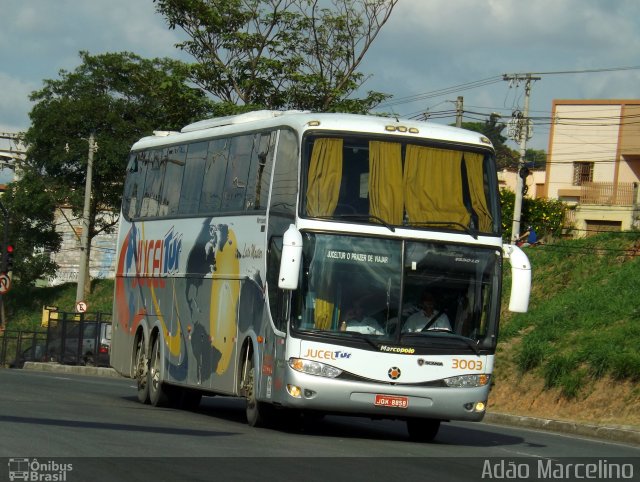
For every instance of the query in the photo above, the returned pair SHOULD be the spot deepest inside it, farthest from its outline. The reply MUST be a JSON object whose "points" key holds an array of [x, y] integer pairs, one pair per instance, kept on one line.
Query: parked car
{"points": [[89, 347], [37, 353]]}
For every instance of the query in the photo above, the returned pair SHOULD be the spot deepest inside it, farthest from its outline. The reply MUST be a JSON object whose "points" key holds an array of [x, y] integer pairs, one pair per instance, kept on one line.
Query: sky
{"points": [[429, 52]]}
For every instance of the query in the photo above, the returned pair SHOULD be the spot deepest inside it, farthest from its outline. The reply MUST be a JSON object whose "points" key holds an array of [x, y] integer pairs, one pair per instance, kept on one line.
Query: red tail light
{"points": [[104, 349]]}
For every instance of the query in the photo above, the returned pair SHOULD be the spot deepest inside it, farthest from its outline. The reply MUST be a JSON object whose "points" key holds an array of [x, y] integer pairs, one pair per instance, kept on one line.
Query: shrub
{"points": [[544, 215]]}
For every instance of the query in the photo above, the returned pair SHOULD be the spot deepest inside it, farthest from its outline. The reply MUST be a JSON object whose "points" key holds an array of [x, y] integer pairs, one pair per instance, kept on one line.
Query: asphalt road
{"points": [[97, 425]]}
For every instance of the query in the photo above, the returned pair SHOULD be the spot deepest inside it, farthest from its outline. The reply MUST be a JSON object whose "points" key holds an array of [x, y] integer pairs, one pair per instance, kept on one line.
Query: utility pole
{"points": [[5, 243], [459, 103], [521, 131], [83, 267]]}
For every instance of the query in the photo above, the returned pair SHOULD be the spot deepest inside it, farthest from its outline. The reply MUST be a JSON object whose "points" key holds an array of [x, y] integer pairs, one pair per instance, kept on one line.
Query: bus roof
{"points": [[305, 120]]}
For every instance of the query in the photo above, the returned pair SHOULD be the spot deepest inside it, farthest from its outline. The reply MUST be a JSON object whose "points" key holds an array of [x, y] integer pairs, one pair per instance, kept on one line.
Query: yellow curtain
{"points": [[325, 176], [433, 185], [323, 314], [475, 175], [385, 181]]}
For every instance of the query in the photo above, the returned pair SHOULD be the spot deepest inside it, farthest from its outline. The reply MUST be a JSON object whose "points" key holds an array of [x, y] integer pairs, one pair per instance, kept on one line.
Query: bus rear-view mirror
{"points": [[291, 259], [520, 278]]}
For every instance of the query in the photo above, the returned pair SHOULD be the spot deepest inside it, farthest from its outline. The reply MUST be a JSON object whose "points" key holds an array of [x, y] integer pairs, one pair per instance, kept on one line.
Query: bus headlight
{"points": [[468, 381], [314, 368]]}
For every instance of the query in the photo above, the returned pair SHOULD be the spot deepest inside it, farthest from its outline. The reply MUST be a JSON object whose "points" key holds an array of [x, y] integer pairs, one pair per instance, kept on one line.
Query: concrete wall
{"points": [[103, 251]]}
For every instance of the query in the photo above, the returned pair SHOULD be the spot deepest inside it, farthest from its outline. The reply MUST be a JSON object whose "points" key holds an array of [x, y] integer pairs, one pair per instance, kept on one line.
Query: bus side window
{"points": [[152, 185], [214, 173], [173, 179], [134, 185], [277, 306], [260, 172], [235, 183], [193, 178]]}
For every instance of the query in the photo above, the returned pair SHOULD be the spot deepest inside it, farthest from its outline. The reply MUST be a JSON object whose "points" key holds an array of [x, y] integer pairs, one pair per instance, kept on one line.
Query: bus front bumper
{"points": [[309, 392]]}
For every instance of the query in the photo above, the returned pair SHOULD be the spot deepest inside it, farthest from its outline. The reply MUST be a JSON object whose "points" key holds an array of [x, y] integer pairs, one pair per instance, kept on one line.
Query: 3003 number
{"points": [[462, 364]]}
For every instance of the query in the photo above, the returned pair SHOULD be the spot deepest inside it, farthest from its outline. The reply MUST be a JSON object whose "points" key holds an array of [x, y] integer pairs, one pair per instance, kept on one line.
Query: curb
{"points": [[77, 369], [628, 435], [624, 435]]}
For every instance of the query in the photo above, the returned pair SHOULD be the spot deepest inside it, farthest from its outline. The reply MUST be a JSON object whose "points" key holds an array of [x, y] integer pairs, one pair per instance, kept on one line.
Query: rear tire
{"points": [[141, 368], [422, 429], [158, 392], [89, 360]]}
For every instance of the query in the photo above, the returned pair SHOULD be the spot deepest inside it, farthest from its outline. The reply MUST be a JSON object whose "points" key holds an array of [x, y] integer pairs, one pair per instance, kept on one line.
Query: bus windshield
{"points": [[397, 182], [388, 290]]}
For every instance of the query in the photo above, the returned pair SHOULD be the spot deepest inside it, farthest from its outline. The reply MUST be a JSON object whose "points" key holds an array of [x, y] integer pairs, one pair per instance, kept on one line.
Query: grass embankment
{"points": [[575, 355], [24, 306]]}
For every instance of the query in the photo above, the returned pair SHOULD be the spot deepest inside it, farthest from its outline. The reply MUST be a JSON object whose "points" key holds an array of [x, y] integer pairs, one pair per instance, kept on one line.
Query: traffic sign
{"points": [[5, 283], [81, 306]]}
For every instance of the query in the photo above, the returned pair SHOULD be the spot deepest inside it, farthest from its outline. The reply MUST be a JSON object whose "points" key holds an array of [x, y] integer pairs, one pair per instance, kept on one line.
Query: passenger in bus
{"points": [[427, 317], [357, 321]]}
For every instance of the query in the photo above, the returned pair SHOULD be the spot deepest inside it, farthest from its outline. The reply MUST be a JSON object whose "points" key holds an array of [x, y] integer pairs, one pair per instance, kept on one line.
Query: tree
{"points": [[31, 229], [119, 97], [505, 156], [291, 54], [546, 216], [536, 158]]}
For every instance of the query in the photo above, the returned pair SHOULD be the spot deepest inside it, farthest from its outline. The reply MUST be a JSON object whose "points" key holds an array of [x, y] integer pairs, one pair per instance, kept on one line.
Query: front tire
{"points": [[422, 429], [257, 412]]}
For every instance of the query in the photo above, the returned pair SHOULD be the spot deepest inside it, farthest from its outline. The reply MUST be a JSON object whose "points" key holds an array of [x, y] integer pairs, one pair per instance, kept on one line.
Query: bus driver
{"points": [[427, 317]]}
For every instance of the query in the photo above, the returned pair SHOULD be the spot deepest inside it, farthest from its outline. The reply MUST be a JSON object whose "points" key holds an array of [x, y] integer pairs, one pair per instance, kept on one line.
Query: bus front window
{"points": [[350, 285], [452, 290], [391, 181], [437, 294]]}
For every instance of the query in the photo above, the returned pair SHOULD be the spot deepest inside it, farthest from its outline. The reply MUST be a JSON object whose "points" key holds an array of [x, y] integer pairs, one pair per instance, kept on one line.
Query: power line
{"points": [[444, 91], [584, 71]]}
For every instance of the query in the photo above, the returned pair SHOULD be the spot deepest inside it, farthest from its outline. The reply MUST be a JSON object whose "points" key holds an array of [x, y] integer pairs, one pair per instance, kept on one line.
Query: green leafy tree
{"points": [[119, 97], [505, 156], [544, 215], [295, 54], [31, 227], [536, 158]]}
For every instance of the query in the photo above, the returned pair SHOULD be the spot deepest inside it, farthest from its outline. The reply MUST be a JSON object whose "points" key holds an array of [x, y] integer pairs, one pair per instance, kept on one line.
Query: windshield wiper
{"points": [[340, 335], [471, 232], [360, 217], [362, 336], [466, 341], [470, 344]]}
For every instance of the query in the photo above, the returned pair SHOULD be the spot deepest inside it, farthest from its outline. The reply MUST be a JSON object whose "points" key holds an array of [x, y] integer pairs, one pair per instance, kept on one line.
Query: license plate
{"points": [[391, 401]]}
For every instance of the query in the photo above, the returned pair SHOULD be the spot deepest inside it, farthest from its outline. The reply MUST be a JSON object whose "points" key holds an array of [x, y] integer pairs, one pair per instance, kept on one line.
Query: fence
{"points": [[69, 338], [609, 193]]}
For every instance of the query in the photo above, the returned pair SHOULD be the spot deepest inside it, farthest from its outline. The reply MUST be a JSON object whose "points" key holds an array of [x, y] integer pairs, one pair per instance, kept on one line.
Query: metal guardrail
{"points": [[69, 338]]}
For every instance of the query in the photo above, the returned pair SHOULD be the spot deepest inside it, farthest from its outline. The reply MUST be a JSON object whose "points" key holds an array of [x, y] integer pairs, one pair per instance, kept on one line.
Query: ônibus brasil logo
{"points": [[34, 470]]}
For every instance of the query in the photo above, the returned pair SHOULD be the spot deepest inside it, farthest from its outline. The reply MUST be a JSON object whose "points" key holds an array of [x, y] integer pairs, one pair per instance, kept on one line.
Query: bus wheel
{"points": [[422, 429], [141, 369], [158, 394], [255, 410]]}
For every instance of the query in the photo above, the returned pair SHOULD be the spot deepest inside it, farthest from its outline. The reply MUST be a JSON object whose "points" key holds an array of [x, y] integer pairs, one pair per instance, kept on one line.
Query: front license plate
{"points": [[391, 401]]}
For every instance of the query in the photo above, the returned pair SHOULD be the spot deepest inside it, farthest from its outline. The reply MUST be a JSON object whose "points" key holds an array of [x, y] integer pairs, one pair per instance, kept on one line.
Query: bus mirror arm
{"points": [[520, 278], [291, 259]]}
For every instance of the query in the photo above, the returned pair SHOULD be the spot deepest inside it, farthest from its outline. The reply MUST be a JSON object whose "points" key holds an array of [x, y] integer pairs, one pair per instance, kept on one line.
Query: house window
{"points": [[582, 172]]}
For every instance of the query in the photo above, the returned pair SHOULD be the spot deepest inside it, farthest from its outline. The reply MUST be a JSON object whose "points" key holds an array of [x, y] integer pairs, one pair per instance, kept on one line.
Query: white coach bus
{"points": [[321, 263]]}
